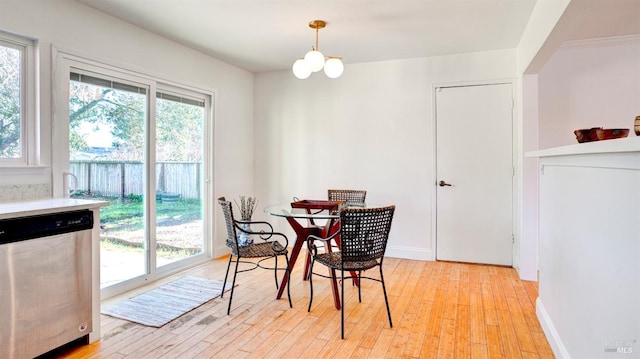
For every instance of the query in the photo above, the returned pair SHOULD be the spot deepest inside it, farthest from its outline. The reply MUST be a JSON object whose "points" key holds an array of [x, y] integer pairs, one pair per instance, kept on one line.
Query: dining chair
{"points": [[268, 244], [350, 196], [363, 240]]}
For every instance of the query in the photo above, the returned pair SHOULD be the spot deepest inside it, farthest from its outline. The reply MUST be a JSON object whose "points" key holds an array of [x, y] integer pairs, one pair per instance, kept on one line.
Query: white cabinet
{"points": [[589, 245]]}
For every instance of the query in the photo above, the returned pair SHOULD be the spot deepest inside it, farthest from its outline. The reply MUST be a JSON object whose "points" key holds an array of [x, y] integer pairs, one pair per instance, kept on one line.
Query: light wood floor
{"points": [[439, 310]]}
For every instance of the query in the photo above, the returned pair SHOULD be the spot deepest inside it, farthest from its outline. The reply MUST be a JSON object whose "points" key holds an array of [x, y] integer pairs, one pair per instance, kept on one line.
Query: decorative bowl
{"points": [[611, 133], [599, 133], [587, 134]]}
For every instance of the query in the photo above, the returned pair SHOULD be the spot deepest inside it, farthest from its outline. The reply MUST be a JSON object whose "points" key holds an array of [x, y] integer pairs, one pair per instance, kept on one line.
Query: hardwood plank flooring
{"points": [[439, 310]]}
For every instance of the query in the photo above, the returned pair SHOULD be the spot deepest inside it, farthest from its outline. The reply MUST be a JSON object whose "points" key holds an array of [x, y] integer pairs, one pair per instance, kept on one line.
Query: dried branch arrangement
{"points": [[247, 206]]}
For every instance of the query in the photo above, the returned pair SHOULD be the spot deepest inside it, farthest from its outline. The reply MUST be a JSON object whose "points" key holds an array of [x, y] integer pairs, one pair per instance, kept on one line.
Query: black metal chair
{"points": [[265, 247], [350, 196], [363, 240]]}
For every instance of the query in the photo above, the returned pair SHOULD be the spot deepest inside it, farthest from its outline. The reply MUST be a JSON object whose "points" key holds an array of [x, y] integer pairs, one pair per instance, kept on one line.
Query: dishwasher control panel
{"points": [[24, 228]]}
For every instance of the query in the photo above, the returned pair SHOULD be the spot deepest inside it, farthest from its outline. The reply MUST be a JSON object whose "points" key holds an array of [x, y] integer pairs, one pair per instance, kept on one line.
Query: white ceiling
{"points": [[266, 35]]}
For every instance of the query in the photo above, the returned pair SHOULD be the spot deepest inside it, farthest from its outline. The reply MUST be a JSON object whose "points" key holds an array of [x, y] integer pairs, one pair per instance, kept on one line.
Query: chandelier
{"points": [[315, 61]]}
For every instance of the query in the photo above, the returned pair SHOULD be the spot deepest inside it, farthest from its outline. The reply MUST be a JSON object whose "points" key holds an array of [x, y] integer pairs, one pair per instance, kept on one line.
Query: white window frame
{"points": [[29, 117]]}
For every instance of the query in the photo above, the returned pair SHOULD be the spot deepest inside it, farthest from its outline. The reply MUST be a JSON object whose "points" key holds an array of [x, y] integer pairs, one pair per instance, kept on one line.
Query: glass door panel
{"points": [[106, 152], [179, 177]]}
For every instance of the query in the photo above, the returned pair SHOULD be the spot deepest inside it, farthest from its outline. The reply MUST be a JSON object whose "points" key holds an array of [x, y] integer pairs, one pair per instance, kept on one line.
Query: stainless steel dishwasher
{"points": [[45, 282]]}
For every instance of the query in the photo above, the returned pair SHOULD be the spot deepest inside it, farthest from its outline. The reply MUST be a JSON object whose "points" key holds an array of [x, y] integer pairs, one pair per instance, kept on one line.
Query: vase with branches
{"points": [[247, 206]]}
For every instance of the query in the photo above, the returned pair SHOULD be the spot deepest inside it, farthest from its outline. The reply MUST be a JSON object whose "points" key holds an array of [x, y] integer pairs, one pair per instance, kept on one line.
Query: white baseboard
{"points": [[220, 251], [415, 253], [550, 332], [529, 275]]}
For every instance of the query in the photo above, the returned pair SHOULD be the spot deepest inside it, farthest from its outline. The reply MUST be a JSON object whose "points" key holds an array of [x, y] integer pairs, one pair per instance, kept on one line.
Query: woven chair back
{"points": [[232, 238], [364, 233], [347, 195]]}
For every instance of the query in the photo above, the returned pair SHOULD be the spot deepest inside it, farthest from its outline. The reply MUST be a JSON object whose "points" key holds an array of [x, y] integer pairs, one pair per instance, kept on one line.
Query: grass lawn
{"points": [[128, 212], [178, 225]]}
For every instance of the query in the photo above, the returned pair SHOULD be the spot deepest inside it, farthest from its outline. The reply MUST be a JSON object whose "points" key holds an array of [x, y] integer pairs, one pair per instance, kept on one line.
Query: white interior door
{"points": [[474, 171]]}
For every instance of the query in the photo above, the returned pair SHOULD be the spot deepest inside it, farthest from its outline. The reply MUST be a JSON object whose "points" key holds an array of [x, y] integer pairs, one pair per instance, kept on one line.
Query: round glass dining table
{"points": [[326, 211], [285, 210]]}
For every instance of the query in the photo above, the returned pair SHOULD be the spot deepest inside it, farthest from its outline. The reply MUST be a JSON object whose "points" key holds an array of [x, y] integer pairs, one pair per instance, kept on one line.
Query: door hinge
{"points": [[513, 238]]}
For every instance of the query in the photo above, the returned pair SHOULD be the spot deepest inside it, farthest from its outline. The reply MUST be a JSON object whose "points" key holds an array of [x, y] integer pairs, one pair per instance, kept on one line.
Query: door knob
{"points": [[443, 183]]}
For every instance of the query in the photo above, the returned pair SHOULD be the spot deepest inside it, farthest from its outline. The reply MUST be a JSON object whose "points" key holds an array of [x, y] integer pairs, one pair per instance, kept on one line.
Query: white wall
{"points": [[72, 26], [545, 31], [588, 84], [527, 245], [372, 129]]}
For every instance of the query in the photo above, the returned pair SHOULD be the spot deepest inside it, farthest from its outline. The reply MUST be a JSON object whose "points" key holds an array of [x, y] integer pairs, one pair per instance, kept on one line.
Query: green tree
{"points": [[179, 127], [9, 102], [122, 111], [179, 131]]}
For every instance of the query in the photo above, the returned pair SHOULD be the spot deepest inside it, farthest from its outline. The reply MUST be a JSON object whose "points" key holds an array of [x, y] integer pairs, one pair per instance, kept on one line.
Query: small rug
{"points": [[159, 306]]}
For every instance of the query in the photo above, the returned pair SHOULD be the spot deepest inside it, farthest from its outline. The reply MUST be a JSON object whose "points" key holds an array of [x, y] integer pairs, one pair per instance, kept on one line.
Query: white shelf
{"points": [[629, 144]]}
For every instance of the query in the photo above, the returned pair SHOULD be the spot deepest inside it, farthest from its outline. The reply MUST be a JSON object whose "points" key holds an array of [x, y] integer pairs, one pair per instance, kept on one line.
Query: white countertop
{"points": [[629, 144], [49, 205]]}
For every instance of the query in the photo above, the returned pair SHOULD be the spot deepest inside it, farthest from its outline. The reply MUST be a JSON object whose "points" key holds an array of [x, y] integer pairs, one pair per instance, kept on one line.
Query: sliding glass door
{"points": [[140, 146]]}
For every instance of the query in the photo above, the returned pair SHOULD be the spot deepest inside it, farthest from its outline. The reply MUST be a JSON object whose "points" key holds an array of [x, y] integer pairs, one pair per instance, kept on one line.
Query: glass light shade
{"points": [[333, 68], [314, 60], [300, 69]]}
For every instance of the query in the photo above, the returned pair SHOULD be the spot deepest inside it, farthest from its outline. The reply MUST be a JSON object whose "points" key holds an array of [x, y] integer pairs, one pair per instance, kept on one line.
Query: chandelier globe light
{"points": [[315, 61], [333, 67], [301, 70]]}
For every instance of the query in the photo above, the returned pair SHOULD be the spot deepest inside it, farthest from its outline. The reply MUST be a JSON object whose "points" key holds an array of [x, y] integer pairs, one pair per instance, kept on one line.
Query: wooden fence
{"points": [[125, 178]]}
